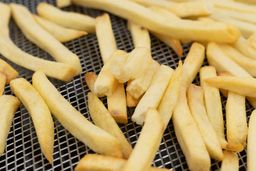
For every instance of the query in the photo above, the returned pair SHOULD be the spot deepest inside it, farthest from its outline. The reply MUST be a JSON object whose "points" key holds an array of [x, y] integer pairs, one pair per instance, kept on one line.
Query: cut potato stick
{"points": [[2, 83], [241, 85], [131, 102], [230, 162], [213, 103], [60, 33], [5, 14], [195, 30], [154, 94], [251, 149], [196, 104], [189, 137], [182, 9], [66, 19], [171, 95], [36, 34], [245, 47], [151, 135], [252, 40], [103, 119], [90, 78], [136, 88], [95, 162], [94, 137], [63, 3], [8, 105], [247, 1], [39, 113], [235, 6], [8, 70]]}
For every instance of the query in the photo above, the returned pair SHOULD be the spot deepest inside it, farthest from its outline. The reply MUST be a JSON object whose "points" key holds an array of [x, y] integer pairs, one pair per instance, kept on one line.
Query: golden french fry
{"points": [[63, 3], [198, 111], [252, 40], [94, 137], [9, 105], [164, 13], [60, 33], [95, 162], [151, 135], [131, 102], [182, 9], [90, 78], [103, 119], [251, 150], [247, 1], [136, 88], [245, 47], [39, 113], [10, 51], [36, 34], [171, 95], [105, 36], [2, 83], [153, 95], [66, 19], [213, 103], [195, 30], [230, 162], [234, 6]]}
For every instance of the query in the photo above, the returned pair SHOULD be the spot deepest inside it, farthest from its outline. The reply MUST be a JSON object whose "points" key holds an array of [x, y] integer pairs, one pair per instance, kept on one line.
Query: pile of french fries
{"points": [[223, 32]]}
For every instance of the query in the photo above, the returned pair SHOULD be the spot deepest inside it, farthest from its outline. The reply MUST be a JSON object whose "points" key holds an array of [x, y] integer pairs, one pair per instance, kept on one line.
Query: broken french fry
{"points": [[251, 149], [151, 135], [94, 137], [2, 83], [66, 19], [9, 105], [90, 78], [245, 47], [8, 70], [230, 162], [131, 102], [39, 113], [63, 3], [153, 95]]}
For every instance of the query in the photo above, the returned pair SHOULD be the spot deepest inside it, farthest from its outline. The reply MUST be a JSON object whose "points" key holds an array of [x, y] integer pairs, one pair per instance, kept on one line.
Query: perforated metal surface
{"points": [[23, 151]]}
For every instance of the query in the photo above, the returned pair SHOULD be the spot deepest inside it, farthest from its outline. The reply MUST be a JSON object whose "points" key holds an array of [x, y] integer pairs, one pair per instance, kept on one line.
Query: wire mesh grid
{"points": [[23, 150]]}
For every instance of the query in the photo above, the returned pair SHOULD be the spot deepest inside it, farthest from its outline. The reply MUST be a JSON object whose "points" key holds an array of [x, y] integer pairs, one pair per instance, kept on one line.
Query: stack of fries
{"points": [[222, 31]]}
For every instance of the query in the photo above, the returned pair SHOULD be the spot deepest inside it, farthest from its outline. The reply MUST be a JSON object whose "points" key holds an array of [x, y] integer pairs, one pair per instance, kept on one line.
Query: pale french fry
{"points": [[90, 78], [36, 34], [94, 137], [132, 102], [245, 47], [252, 40], [60, 33], [66, 19], [189, 137], [151, 135], [247, 1], [63, 3], [251, 149], [103, 119], [198, 111], [195, 30], [9, 105], [164, 13], [245, 86], [10, 51], [105, 36], [235, 6], [154, 94], [2, 83], [182, 9], [136, 88], [95, 162], [140, 35], [39, 113], [230, 162], [213, 103], [171, 95]]}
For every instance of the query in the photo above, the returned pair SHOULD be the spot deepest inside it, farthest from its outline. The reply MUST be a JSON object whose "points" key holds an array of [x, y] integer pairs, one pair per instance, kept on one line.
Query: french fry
{"points": [[66, 19], [9, 105], [63, 3], [36, 34], [213, 103], [94, 137], [10, 51], [95, 162], [103, 119], [197, 107], [230, 162], [2, 83], [90, 78], [171, 95], [39, 113], [251, 150], [60, 33], [136, 88], [131, 102], [151, 135], [153, 95], [164, 13], [245, 47], [235, 6], [182, 9], [252, 40], [138, 14], [241, 85]]}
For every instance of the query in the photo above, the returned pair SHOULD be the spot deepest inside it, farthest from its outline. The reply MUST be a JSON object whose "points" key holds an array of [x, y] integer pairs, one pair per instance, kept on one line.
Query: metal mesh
{"points": [[23, 150]]}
